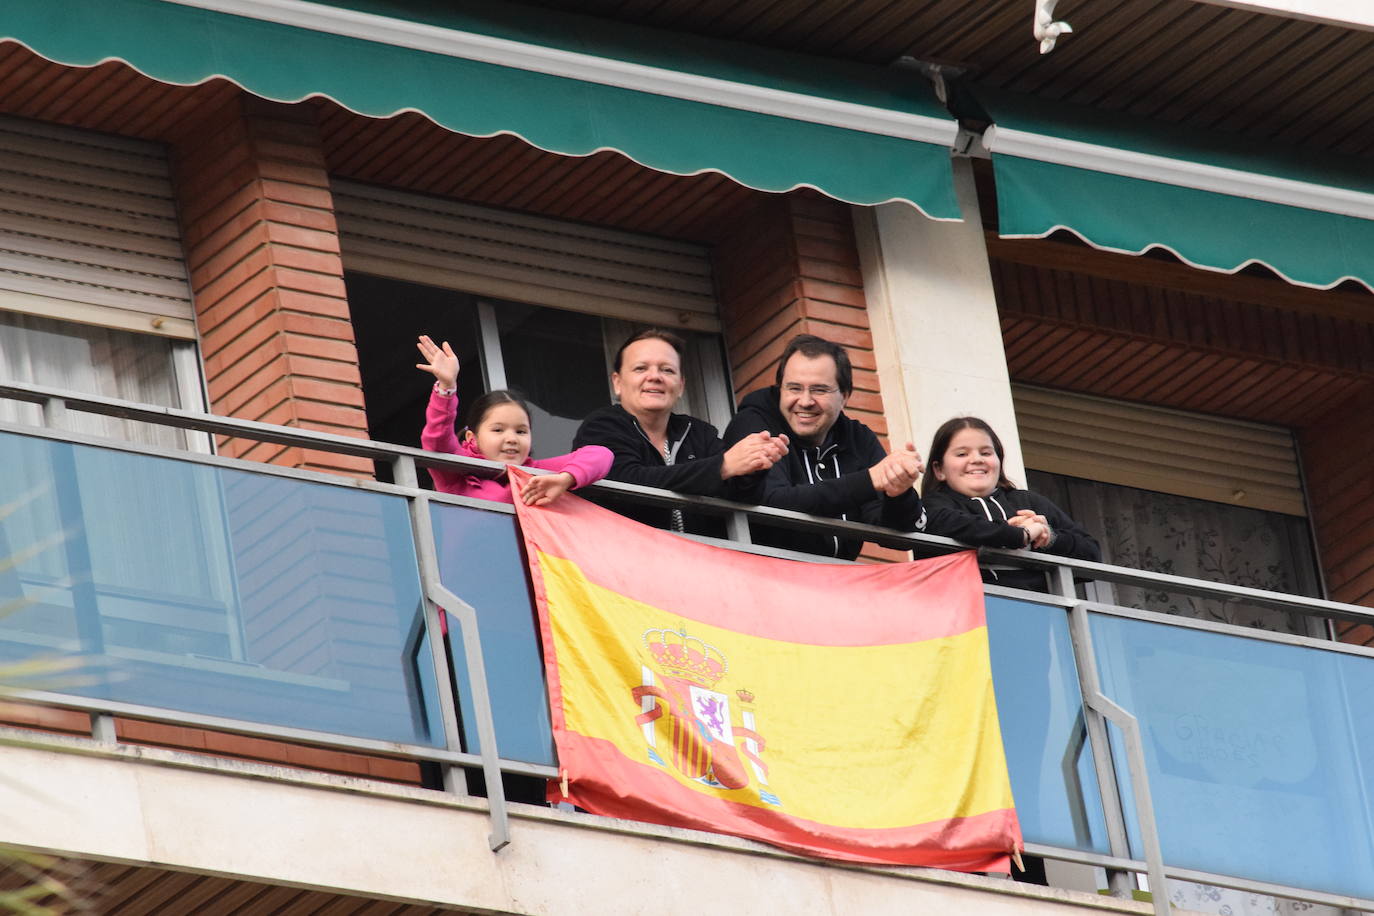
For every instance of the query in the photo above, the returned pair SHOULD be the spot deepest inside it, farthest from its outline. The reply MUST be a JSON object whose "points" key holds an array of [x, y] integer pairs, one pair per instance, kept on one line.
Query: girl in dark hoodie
{"points": [[969, 499]]}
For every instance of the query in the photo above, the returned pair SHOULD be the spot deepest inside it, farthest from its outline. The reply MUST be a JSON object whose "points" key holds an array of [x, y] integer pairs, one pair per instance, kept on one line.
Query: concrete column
{"points": [[933, 315]]}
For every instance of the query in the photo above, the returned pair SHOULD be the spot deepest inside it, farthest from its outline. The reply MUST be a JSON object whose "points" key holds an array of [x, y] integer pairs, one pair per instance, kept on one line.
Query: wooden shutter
{"points": [[524, 258], [88, 230], [1154, 448]]}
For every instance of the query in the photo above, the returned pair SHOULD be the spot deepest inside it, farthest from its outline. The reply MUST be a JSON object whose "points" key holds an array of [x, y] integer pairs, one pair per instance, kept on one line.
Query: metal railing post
{"points": [[103, 728], [1118, 842], [737, 528], [54, 413], [403, 471], [1098, 710], [439, 599]]}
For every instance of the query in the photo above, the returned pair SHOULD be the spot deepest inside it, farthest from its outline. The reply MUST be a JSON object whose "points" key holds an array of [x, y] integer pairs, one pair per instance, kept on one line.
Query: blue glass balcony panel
{"points": [[480, 561], [1040, 708], [1260, 754], [213, 591]]}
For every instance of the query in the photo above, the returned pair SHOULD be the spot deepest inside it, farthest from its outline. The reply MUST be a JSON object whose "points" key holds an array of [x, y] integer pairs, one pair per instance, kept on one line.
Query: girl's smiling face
{"points": [[503, 434], [970, 466]]}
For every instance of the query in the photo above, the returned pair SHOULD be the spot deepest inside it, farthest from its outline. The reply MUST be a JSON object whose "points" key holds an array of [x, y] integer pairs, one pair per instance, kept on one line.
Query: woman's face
{"points": [[970, 465], [503, 434], [649, 380]]}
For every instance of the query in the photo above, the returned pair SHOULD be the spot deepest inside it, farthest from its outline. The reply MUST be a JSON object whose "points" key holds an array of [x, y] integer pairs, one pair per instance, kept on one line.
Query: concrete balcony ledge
{"points": [[349, 837]]}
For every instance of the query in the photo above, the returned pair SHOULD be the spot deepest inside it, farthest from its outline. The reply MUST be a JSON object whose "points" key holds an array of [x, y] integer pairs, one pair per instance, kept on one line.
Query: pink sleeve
{"points": [[440, 436], [587, 464]]}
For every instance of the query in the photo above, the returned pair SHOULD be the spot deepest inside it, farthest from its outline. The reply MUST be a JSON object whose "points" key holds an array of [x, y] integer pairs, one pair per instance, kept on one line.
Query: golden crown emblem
{"points": [[686, 657]]}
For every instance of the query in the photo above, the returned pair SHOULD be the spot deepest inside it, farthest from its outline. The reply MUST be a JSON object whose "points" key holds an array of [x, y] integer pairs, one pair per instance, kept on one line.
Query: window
{"points": [[94, 295], [100, 361], [526, 301], [1176, 492], [560, 359]]}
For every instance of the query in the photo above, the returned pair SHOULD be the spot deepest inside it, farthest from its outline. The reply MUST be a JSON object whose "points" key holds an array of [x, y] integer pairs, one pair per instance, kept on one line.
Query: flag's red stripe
{"points": [[980, 842], [788, 601]]}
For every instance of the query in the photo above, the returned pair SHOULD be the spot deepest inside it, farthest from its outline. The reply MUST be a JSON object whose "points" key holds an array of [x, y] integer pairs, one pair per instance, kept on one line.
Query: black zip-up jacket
{"points": [[982, 522], [695, 470], [830, 479]]}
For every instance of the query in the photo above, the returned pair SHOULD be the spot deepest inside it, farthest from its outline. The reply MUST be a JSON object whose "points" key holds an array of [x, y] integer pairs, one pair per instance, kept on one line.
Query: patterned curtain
{"points": [[1195, 538]]}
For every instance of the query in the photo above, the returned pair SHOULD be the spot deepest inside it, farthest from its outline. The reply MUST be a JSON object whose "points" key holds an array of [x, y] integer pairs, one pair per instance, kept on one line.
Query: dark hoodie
{"points": [[695, 469], [981, 521], [830, 480]]}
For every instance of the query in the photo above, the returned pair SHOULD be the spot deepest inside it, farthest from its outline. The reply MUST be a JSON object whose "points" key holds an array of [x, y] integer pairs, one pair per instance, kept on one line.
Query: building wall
{"points": [[791, 267], [262, 248], [1335, 453], [359, 841]]}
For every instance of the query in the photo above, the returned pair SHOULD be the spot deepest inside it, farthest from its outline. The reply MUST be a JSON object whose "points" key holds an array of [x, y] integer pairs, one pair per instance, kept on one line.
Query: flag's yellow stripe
{"points": [[866, 737]]}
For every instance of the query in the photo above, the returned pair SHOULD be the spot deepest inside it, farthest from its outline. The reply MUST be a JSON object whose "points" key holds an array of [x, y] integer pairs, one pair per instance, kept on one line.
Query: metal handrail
{"points": [[925, 544]]}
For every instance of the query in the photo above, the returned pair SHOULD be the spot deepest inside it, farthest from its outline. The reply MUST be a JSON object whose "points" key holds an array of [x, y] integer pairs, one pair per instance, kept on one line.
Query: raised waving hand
{"points": [[440, 361]]}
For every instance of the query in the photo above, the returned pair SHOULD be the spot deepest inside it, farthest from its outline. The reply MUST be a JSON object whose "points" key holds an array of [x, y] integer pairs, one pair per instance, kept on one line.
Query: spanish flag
{"points": [[837, 711]]}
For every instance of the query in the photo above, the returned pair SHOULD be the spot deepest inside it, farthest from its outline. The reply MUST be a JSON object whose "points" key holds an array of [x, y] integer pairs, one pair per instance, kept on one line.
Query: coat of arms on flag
{"points": [[836, 711], [680, 702]]}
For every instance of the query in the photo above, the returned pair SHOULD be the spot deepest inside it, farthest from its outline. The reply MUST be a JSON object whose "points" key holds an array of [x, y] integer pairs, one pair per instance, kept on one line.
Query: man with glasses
{"points": [[836, 467]]}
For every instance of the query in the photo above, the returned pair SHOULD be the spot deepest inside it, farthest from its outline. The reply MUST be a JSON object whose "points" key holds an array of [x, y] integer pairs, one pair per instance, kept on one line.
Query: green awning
{"points": [[568, 84], [1126, 186]]}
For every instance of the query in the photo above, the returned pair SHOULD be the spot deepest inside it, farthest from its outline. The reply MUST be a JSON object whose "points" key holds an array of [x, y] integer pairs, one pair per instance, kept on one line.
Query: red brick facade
{"points": [[1335, 452], [262, 249], [792, 267]]}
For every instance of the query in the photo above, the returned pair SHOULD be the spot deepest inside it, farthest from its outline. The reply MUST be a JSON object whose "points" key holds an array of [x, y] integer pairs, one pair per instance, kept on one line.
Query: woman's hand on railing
{"points": [[440, 362]]}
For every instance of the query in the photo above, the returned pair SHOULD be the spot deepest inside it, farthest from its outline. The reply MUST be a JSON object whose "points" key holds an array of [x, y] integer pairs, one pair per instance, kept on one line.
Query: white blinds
{"points": [[525, 258], [1154, 448], [88, 230]]}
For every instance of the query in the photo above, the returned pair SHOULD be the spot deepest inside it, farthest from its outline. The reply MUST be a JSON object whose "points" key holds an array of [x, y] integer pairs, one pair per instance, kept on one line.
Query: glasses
{"points": [[816, 391]]}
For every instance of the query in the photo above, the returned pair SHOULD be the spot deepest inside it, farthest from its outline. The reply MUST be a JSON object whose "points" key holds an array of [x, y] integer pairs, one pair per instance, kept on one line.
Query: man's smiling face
{"points": [[809, 396]]}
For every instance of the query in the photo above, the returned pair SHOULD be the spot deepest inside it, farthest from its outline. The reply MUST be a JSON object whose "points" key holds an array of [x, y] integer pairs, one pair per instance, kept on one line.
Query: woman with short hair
{"points": [[655, 447]]}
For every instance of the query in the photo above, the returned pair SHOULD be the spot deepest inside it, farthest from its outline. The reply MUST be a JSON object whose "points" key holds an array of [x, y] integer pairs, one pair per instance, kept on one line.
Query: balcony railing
{"points": [[224, 594]]}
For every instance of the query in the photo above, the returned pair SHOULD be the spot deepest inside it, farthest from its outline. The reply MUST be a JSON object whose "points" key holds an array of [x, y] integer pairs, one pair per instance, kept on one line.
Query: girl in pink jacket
{"points": [[499, 430]]}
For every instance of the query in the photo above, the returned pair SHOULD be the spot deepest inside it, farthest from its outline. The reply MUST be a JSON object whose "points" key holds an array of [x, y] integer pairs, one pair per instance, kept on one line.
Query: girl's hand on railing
{"points": [[543, 490], [439, 361], [1036, 526]]}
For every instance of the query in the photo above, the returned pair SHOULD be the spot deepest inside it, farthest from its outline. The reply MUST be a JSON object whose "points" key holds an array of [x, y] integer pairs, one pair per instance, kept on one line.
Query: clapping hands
{"points": [[898, 472], [755, 452]]}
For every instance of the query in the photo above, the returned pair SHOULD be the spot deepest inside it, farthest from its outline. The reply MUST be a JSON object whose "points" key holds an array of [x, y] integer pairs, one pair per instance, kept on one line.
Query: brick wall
{"points": [[1340, 489], [262, 249], [264, 750], [791, 267]]}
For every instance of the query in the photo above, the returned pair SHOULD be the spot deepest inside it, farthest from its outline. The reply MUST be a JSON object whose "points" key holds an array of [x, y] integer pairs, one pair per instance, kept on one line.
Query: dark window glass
{"points": [[558, 360], [388, 317]]}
